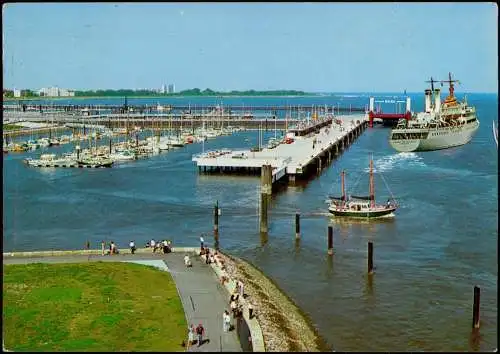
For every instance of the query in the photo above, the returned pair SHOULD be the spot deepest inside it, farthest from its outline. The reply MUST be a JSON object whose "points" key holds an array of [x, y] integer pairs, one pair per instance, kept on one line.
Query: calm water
{"points": [[442, 242]]}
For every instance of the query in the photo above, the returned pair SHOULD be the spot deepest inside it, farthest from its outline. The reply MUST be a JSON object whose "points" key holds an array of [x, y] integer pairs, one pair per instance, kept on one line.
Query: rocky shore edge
{"points": [[285, 327]]}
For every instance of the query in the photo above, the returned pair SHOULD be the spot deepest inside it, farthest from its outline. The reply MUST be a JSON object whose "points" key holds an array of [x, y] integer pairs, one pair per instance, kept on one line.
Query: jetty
{"points": [[306, 146]]}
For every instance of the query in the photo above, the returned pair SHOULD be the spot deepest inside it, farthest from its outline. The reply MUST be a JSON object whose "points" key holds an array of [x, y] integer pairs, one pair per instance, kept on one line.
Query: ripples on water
{"points": [[442, 241]]}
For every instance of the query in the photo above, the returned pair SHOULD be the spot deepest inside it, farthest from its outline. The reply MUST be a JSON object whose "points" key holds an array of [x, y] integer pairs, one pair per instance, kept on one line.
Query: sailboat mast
{"points": [[343, 187], [372, 188]]}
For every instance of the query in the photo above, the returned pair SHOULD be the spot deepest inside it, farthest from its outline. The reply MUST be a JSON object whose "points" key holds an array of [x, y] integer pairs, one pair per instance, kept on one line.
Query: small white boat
{"points": [[43, 142], [124, 155]]}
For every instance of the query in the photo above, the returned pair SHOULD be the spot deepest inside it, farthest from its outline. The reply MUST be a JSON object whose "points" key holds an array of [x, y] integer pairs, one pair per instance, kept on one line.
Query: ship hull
{"points": [[363, 214], [437, 139]]}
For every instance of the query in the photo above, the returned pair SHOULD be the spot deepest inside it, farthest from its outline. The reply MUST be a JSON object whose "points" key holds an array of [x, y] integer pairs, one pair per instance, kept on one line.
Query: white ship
{"points": [[440, 126]]}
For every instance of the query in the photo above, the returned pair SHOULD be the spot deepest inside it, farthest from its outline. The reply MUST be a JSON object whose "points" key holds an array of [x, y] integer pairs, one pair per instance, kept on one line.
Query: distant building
{"points": [[171, 88], [56, 92], [17, 93], [163, 88]]}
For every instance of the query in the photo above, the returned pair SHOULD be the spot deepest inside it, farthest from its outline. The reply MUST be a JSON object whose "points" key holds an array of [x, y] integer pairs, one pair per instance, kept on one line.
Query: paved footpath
{"points": [[203, 298]]}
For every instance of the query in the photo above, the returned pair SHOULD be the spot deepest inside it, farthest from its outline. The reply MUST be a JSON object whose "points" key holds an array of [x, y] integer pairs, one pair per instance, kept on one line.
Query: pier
{"points": [[310, 147]]}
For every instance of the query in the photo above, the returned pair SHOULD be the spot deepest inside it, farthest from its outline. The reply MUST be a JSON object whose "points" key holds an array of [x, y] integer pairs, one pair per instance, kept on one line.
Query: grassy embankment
{"points": [[91, 307], [12, 127]]}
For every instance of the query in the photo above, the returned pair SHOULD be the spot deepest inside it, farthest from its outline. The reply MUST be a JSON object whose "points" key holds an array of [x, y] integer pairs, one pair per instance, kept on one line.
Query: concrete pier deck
{"points": [[289, 159]]}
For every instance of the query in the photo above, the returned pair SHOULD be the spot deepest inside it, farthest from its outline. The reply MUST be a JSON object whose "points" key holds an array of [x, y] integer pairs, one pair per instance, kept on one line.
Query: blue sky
{"points": [[315, 47]]}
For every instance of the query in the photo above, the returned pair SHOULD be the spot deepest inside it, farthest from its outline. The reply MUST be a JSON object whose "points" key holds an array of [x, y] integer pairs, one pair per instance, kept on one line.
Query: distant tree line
{"points": [[190, 92], [24, 93]]}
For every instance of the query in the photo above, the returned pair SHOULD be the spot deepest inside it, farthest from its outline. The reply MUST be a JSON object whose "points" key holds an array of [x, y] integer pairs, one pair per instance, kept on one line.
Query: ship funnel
{"points": [[408, 104], [372, 104], [428, 94], [437, 102]]}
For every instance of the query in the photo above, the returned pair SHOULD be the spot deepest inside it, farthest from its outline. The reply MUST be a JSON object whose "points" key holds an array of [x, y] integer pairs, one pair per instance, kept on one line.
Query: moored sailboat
{"points": [[361, 206]]}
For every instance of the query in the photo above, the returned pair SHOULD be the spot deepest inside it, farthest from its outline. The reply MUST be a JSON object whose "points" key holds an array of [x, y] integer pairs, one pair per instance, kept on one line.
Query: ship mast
{"points": [[343, 187], [451, 83], [372, 188]]}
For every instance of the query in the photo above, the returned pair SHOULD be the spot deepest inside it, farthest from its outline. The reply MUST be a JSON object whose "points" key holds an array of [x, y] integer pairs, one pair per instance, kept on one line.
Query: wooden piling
{"points": [[475, 308], [370, 257], [216, 216], [297, 225], [263, 213], [330, 240], [266, 179], [265, 193]]}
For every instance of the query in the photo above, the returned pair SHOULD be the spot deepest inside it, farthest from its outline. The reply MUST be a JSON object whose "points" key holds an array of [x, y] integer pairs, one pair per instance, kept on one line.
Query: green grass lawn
{"points": [[91, 307], [12, 127]]}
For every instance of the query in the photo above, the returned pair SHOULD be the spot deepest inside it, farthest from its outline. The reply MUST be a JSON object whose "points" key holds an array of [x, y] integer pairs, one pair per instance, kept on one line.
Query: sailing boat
{"points": [[361, 206], [495, 133]]}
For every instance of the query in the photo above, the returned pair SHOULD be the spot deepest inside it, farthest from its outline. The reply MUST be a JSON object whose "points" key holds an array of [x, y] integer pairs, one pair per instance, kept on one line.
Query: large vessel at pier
{"points": [[361, 206], [440, 126]]}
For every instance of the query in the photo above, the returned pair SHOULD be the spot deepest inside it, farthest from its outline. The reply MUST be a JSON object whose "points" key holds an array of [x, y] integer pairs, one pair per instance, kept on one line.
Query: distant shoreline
{"points": [[153, 97], [16, 99]]}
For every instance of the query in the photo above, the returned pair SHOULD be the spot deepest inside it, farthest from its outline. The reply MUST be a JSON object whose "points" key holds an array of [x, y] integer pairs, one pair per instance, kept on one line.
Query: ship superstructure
{"points": [[441, 125]]}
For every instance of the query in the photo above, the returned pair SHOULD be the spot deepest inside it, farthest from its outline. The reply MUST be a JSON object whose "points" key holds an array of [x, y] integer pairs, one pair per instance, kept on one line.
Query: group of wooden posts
{"points": [[266, 189]]}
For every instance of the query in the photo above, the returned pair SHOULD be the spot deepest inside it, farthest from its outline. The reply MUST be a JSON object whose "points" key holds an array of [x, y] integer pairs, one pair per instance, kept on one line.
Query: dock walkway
{"points": [[288, 159], [202, 296]]}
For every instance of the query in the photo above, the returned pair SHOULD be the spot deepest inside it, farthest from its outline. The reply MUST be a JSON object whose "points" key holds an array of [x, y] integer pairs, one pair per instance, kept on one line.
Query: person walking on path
{"points": [[190, 336], [132, 247], [200, 331], [207, 253], [226, 321], [103, 246]]}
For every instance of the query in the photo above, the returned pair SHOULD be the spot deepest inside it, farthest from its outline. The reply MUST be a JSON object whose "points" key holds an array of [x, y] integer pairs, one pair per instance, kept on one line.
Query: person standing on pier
{"points": [[103, 246], [132, 247], [200, 331], [226, 321], [202, 241], [153, 245]]}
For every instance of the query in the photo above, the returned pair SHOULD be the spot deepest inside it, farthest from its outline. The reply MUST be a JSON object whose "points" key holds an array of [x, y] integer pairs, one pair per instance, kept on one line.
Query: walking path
{"points": [[203, 298]]}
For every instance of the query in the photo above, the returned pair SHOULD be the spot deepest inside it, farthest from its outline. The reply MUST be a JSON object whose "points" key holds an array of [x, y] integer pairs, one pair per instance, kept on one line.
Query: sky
{"points": [[313, 47]]}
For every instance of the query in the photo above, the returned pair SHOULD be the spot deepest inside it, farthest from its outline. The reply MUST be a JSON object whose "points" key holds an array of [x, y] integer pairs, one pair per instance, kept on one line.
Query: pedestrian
{"points": [[234, 307], [234, 296], [202, 241], [103, 246], [132, 247], [226, 321], [250, 310], [190, 336], [87, 245], [113, 249], [187, 261], [207, 260], [153, 245], [199, 332]]}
